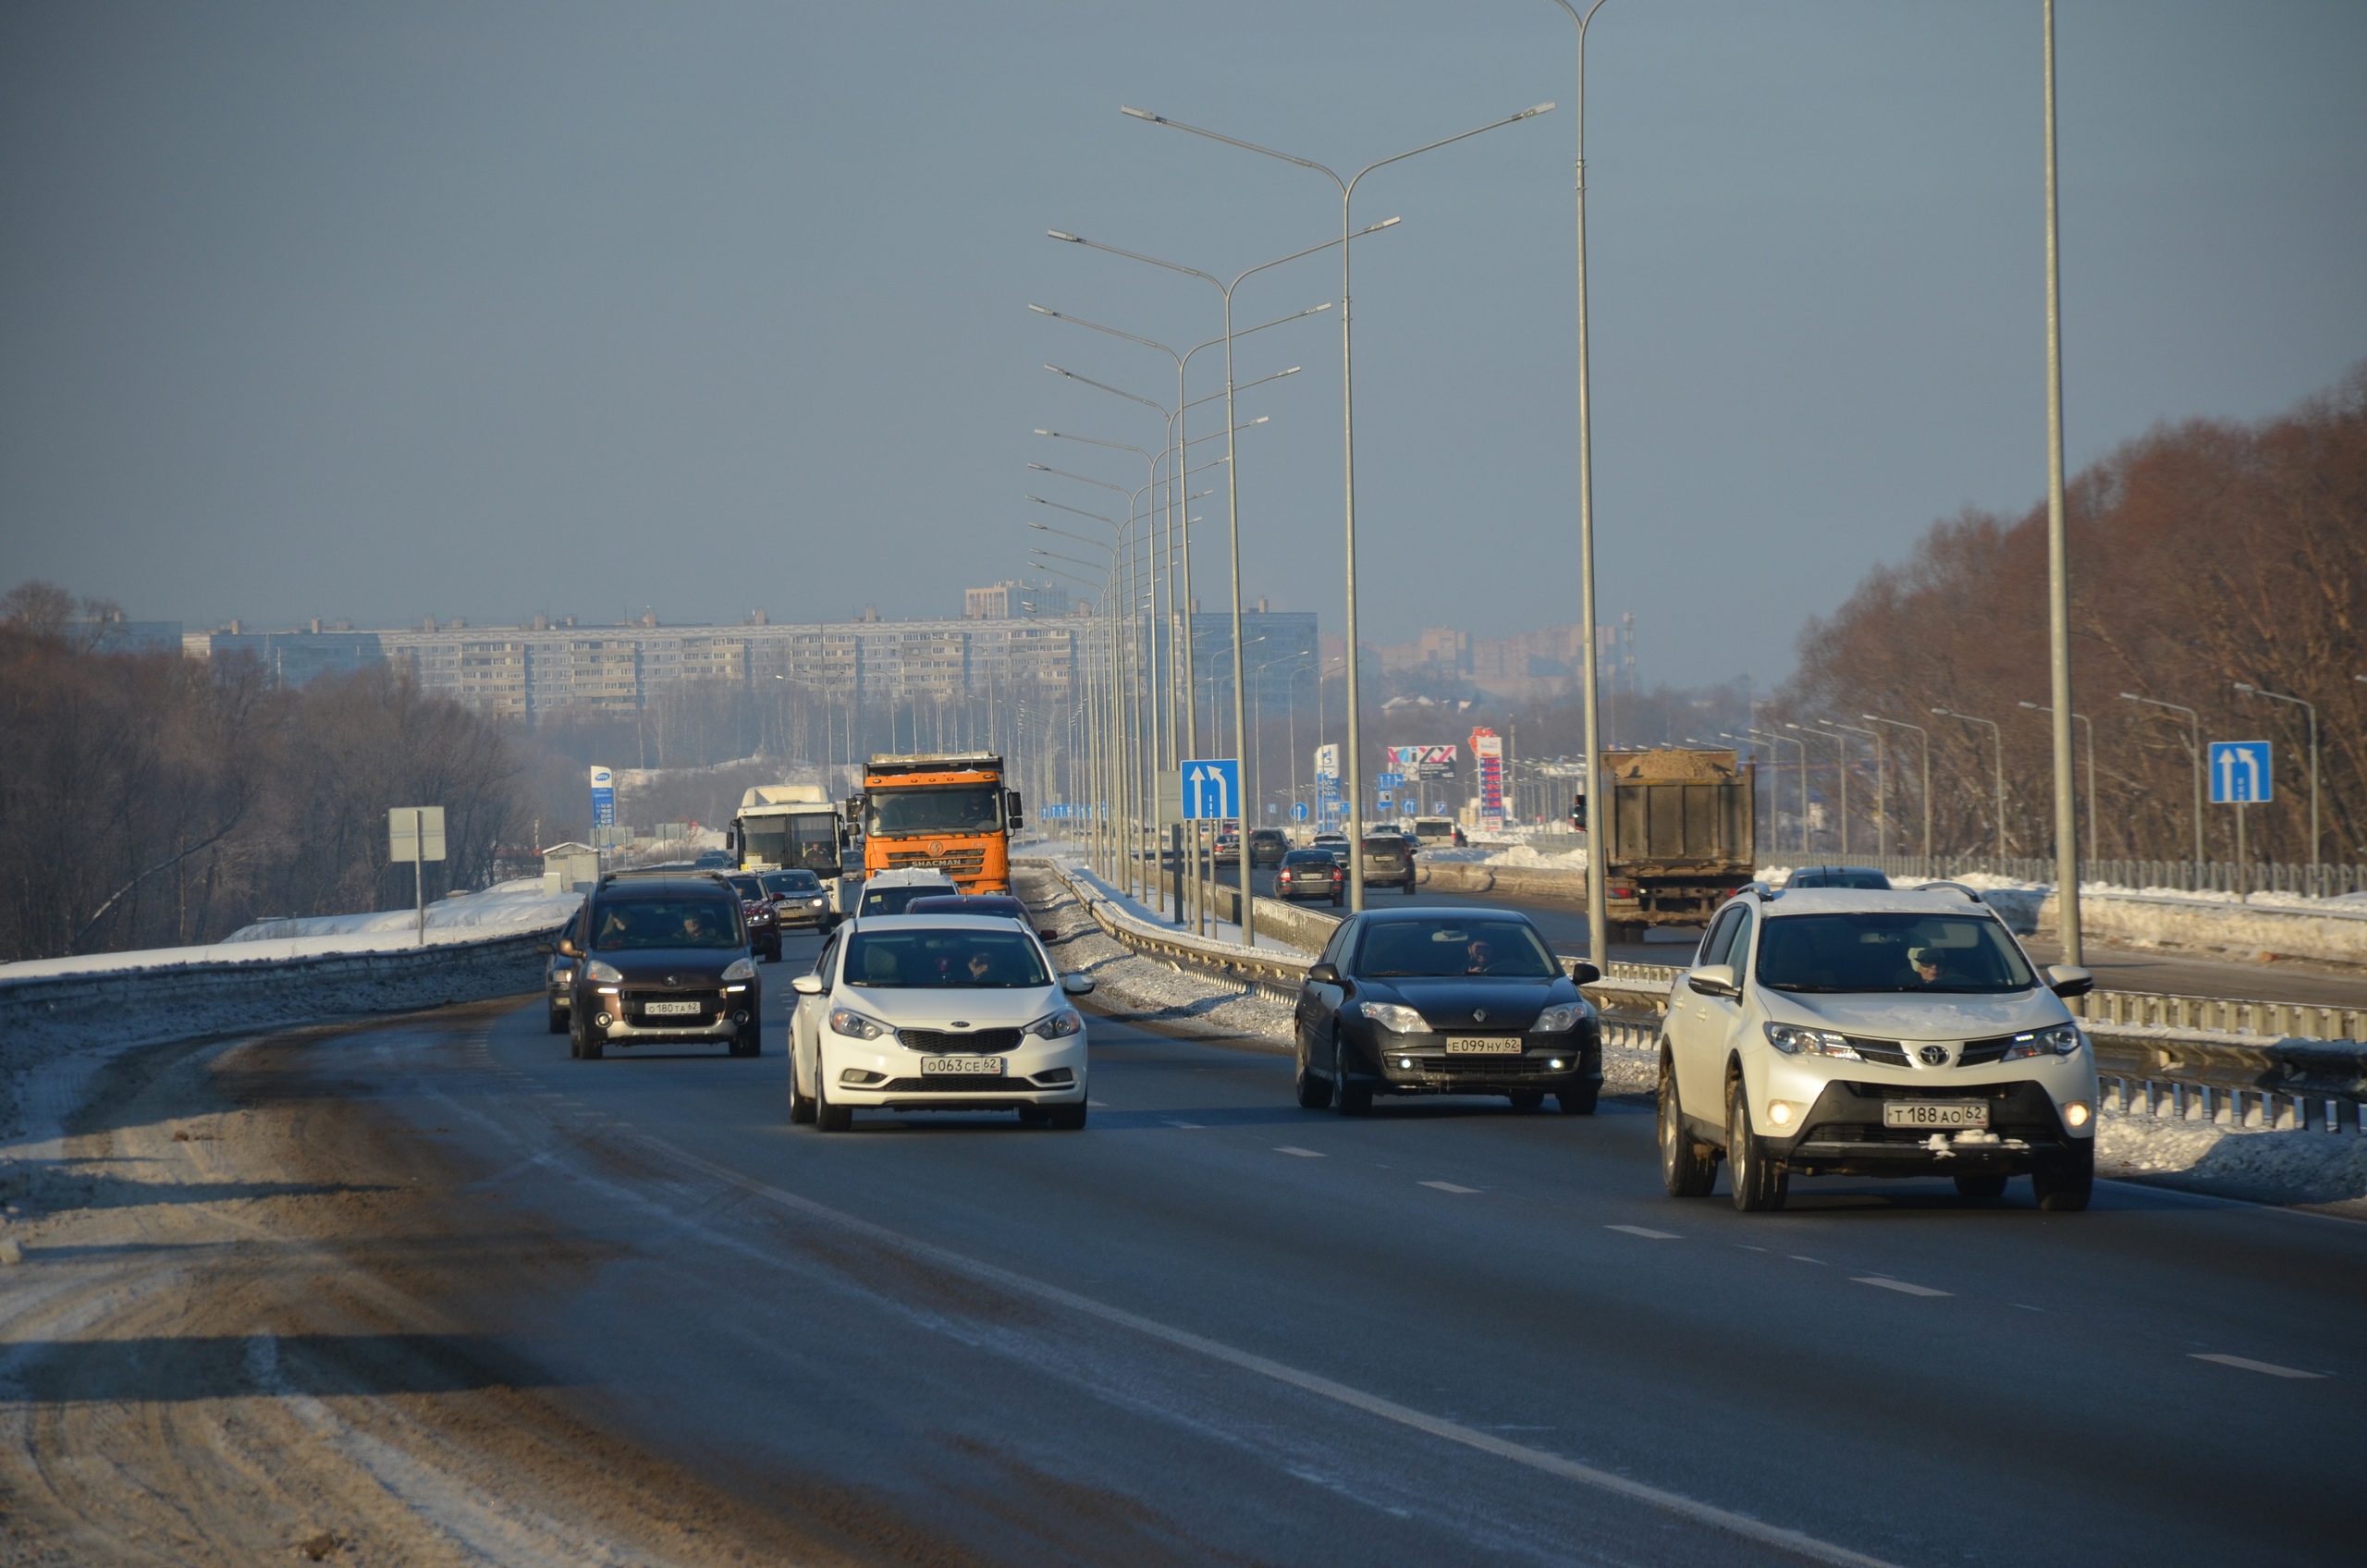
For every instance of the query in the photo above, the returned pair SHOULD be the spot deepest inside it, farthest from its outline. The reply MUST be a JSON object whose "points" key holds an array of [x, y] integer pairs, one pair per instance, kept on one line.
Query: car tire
{"points": [[1527, 1099], [828, 1118], [1980, 1189], [559, 1022], [2063, 1184], [1580, 1102], [1067, 1118], [1314, 1093], [749, 1041], [1348, 1096], [1338, 899], [574, 1042], [1760, 1182], [800, 1104], [1687, 1170], [594, 1045]]}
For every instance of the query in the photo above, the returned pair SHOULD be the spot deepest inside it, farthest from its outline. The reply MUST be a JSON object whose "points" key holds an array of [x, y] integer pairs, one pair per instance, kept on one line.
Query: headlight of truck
{"points": [[1396, 1019], [2061, 1040], [1793, 1040], [1559, 1020], [1055, 1026], [608, 972], [846, 1021]]}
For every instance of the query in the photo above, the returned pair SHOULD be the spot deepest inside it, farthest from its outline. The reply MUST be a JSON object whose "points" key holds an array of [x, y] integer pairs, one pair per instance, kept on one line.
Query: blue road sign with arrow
{"points": [[2239, 773], [1388, 780], [1299, 812], [1211, 789]]}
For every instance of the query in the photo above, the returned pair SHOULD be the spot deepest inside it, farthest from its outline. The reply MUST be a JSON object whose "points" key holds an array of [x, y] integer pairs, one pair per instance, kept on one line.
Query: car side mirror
{"points": [[1584, 972], [1078, 984], [1328, 974], [2069, 980], [1714, 980], [806, 985]]}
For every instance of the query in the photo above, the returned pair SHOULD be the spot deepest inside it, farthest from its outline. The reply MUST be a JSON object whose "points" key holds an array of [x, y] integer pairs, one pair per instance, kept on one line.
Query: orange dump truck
{"points": [[945, 813]]}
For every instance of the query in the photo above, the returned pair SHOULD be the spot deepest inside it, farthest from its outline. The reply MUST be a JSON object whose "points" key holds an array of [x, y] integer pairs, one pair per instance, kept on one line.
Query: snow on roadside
{"points": [[2288, 1167], [1138, 989]]}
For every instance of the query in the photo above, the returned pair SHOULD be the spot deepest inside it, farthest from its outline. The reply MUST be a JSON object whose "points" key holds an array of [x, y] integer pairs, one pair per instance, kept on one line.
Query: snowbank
{"points": [[2330, 929], [2286, 1167]]}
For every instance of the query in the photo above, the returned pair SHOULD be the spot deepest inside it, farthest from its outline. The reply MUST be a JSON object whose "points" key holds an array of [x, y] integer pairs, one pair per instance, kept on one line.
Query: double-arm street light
{"points": [[2083, 718], [1998, 735], [2249, 690], [1771, 738], [1926, 735], [1347, 188], [1841, 765], [1882, 782], [2194, 755]]}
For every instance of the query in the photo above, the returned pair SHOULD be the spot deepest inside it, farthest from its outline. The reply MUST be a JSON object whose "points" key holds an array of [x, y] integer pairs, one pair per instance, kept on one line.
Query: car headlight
{"points": [[815, 903], [1055, 1026], [1395, 1018], [846, 1021], [1793, 1040], [2061, 1040], [740, 968], [1559, 1020], [608, 971]]}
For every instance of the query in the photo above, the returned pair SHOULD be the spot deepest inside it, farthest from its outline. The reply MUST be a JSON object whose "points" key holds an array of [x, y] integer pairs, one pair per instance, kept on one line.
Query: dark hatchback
{"points": [[1268, 846], [1431, 1002], [757, 912], [662, 960]]}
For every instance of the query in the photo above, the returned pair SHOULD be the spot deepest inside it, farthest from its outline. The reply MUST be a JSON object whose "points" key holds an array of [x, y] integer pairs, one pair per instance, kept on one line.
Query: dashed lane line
{"points": [[1187, 1126], [1295, 1149], [2246, 1364], [1450, 1187], [1901, 1286], [1646, 1232]]}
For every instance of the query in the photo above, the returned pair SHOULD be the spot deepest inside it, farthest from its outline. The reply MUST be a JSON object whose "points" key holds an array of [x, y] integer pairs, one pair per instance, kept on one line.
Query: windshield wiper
{"points": [[1803, 986]]}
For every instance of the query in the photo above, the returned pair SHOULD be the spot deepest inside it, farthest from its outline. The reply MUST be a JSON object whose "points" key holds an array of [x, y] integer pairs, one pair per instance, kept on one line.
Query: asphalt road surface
{"points": [[2119, 969], [1213, 1327]]}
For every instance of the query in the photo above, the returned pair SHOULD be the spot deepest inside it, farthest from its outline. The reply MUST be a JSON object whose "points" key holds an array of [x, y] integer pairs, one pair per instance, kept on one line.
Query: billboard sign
{"points": [[1422, 762], [1488, 754], [603, 797]]}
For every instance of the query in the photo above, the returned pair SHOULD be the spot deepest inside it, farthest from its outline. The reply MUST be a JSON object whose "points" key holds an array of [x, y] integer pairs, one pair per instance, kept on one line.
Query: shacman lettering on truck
{"points": [[947, 811]]}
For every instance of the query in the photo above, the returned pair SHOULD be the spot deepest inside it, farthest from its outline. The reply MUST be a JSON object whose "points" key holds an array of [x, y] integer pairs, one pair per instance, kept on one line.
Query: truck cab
{"points": [[945, 812]]}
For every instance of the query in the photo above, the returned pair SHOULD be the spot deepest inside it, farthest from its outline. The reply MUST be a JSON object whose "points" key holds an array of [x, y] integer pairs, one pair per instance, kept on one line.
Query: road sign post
{"points": [[1211, 789], [2241, 776], [416, 834]]}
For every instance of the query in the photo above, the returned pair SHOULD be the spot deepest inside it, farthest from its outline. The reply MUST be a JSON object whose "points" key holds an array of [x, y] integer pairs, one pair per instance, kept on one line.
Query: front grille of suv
{"points": [[967, 1042], [1890, 1053]]}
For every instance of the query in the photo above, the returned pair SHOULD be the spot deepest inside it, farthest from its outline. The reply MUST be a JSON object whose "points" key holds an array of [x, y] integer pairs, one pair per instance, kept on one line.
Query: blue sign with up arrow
{"points": [[1211, 789], [2239, 773]]}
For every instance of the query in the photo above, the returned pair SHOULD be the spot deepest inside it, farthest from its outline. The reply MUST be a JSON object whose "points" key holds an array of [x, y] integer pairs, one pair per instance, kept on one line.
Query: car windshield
{"points": [[1890, 952], [944, 956], [622, 924], [1308, 857], [785, 882], [944, 808], [1439, 948], [996, 904], [1871, 880], [891, 900], [748, 888]]}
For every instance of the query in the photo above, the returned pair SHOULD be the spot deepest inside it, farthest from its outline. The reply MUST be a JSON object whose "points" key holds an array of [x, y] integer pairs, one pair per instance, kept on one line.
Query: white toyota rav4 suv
{"points": [[935, 1012], [1849, 1032]]}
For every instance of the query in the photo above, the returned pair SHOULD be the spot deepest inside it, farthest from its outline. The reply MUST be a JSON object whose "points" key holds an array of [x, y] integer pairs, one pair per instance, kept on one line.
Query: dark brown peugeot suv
{"points": [[662, 960]]}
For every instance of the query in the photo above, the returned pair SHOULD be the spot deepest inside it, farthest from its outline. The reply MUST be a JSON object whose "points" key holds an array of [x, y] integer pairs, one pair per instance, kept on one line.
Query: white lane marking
{"points": [[1705, 1513], [2024, 1307], [1798, 1257], [1294, 1148], [1449, 1187], [1901, 1286], [2249, 1365], [1099, 1105], [1191, 1126], [1746, 1246], [1646, 1232]]}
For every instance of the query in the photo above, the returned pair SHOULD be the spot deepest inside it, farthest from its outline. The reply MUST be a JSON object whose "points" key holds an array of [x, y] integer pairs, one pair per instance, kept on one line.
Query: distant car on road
{"points": [[1437, 830], [798, 899], [888, 892], [1268, 846], [1860, 876], [1388, 860], [662, 960], [712, 860], [1311, 874], [1005, 906], [1854, 1032], [1228, 849], [1435, 1001], [936, 1012], [757, 908]]}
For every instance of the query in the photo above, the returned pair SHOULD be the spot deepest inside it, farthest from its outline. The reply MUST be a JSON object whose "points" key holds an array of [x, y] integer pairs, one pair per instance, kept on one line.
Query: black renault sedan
{"points": [[1445, 1001], [662, 961]]}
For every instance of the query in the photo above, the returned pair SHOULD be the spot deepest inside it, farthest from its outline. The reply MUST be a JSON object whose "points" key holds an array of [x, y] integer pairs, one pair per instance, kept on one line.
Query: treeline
{"points": [[2203, 554], [147, 799]]}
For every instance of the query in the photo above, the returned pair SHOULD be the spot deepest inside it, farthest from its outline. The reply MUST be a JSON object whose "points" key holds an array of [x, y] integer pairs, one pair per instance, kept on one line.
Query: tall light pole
{"points": [[2249, 690], [1881, 785], [1841, 765], [2194, 755], [1770, 737], [2083, 718], [1347, 188], [1998, 735], [1900, 723], [2058, 556]]}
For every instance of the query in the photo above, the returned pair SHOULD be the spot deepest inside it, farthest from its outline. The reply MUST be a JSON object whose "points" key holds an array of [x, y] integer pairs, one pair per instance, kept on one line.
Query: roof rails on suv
{"points": [[1949, 886], [670, 874]]}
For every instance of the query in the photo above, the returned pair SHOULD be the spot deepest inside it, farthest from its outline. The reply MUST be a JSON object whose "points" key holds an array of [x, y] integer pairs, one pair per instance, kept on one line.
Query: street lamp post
{"points": [[2194, 755], [1998, 735], [1770, 737], [1926, 840], [2249, 690], [2058, 554], [1841, 765], [1881, 785], [1347, 188], [2083, 718]]}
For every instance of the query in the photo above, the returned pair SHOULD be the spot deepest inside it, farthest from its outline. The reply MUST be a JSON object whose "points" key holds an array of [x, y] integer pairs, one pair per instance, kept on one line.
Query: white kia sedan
{"points": [[935, 1012]]}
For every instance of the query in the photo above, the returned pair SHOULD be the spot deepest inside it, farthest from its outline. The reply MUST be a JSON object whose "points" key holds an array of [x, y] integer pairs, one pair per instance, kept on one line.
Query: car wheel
{"points": [[1527, 1099], [1409, 887], [559, 1020], [1337, 900], [749, 1041], [1687, 1169], [1349, 1097], [575, 1041], [1068, 1118], [1314, 1093], [800, 1104], [1980, 1189], [2063, 1184], [828, 1118], [1760, 1184], [1580, 1102]]}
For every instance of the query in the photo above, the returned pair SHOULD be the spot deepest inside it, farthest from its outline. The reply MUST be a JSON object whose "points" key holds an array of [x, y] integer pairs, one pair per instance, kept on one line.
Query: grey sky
{"points": [[382, 311]]}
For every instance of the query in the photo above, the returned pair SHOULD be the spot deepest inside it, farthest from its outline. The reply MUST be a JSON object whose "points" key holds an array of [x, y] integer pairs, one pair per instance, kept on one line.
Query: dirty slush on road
{"points": [[262, 1318]]}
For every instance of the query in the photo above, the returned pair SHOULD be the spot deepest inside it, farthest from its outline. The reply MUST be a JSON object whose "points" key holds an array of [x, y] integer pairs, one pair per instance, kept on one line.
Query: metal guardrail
{"points": [[1276, 975], [2325, 881]]}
